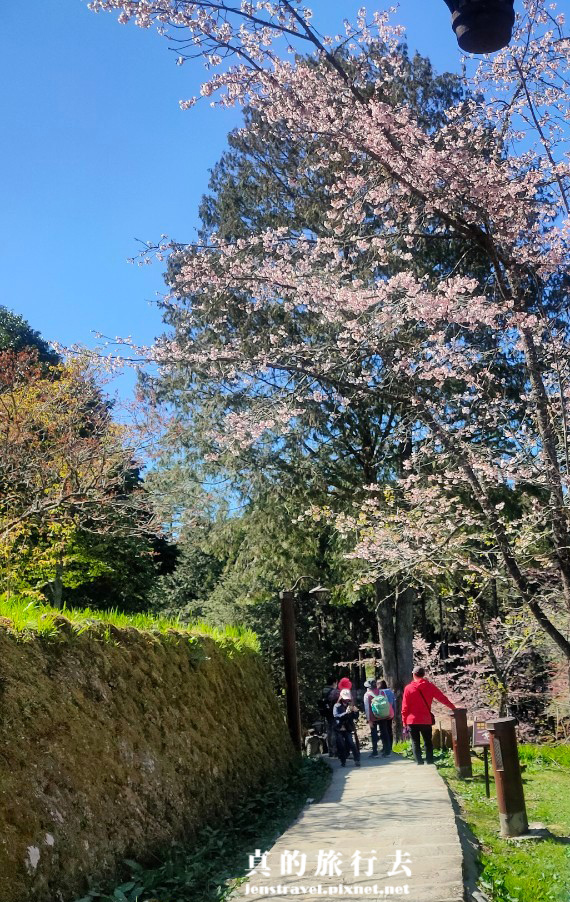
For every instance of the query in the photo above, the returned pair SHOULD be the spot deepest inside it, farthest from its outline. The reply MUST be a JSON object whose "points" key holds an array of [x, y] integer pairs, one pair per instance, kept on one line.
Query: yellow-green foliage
{"points": [[116, 740], [23, 617]]}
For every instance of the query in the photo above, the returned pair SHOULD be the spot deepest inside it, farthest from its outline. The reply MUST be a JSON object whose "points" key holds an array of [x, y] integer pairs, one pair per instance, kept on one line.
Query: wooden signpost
{"points": [[482, 739]]}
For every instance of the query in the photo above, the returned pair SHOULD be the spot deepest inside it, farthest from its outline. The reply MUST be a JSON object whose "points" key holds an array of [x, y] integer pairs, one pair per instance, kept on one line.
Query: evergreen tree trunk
{"points": [[423, 613], [404, 635], [395, 616]]}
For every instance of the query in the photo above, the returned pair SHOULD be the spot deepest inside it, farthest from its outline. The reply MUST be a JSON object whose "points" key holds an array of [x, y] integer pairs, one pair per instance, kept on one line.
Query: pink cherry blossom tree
{"points": [[498, 668], [486, 486]]}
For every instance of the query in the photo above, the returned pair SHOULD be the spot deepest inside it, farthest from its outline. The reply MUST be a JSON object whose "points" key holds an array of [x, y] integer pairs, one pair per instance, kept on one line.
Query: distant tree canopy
{"points": [[76, 525], [16, 334]]}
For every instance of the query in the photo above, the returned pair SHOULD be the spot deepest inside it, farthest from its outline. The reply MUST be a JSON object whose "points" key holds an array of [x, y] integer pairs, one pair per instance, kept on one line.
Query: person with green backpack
{"points": [[382, 713]]}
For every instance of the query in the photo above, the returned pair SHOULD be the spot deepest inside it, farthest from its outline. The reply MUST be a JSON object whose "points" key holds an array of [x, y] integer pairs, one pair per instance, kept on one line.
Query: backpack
{"points": [[381, 707]]}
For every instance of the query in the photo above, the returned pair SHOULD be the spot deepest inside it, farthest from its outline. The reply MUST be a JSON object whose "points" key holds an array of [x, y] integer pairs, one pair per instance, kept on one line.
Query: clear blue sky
{"points": [[96, 153]]}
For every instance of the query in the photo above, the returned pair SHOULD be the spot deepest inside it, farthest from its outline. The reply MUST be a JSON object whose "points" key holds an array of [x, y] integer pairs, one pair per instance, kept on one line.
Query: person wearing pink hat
{"points": [[345, 716]]}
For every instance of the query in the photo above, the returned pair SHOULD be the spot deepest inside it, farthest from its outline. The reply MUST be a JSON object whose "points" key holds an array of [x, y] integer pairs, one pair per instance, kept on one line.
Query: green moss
{"points": [[116, 739]]}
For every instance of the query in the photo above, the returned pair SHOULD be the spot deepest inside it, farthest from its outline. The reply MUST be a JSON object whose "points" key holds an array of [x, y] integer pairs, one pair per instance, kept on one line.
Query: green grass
{"points": [[218, 858], [31, 618], [536, 871], [547, 755]]}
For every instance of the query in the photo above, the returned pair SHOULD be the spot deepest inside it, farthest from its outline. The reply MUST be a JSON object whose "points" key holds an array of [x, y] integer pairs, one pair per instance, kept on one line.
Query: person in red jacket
{"points": [[416, 712]]}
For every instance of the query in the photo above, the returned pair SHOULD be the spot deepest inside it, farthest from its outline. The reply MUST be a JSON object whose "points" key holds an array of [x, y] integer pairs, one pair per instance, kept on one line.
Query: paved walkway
{"points": [[390, 808]]}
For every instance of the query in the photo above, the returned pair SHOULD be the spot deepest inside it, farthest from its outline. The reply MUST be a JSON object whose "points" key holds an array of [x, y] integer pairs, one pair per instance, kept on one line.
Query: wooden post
{"points": [[460, 738], [508, 779], [290, 661]]}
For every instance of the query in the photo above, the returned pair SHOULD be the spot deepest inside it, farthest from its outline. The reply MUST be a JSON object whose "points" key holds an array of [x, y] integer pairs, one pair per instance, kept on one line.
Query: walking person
{"points": [[328, 700], [386, 725], [416, 712], [371, 692], [345, 717], [345, 683], [383, 711]]}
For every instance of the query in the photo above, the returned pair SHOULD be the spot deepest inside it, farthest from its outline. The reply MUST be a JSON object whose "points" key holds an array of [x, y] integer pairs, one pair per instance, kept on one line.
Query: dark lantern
{"points": [[482, 26]]}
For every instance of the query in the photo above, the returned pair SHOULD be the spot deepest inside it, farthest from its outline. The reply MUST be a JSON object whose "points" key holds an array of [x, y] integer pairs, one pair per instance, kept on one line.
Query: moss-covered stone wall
{"points": [[115, 743]]}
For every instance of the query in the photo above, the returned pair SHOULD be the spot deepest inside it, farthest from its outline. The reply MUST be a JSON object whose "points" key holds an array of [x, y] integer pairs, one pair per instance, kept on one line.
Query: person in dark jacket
{"points": [[345, 716], [329, 699], [416, 712]]}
